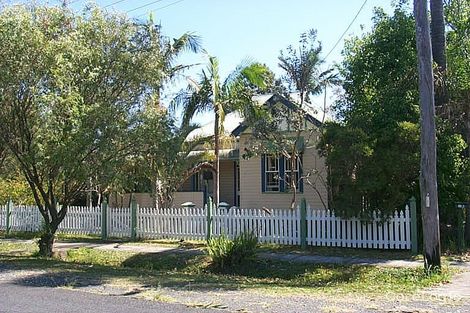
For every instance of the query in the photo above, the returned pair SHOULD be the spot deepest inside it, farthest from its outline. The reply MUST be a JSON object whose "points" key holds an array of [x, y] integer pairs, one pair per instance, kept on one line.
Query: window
{"points": [[271, 173], [289, 174], [276, 173]]}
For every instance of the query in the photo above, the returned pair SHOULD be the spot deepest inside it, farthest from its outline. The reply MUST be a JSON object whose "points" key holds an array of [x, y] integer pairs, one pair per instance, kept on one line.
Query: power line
{"points": [[143, 6], [344, 33], [160, 8], [113, 3]]}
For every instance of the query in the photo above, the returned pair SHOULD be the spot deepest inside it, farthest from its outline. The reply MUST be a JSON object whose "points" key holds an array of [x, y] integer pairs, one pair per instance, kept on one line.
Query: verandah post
{"points": [[209, 219], [104, 219], [7, 216], [134, 208], [414, 226], [303, 224]]}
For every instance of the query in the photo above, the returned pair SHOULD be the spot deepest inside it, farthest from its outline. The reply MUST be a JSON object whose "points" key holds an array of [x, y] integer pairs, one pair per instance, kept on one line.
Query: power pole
{"points": [[428, 179]]}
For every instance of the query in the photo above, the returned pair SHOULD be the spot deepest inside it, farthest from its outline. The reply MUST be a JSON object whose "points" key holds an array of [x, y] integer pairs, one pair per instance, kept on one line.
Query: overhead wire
{"points": [[344, 33], [160, 8], [143, 6], [113, 3]]}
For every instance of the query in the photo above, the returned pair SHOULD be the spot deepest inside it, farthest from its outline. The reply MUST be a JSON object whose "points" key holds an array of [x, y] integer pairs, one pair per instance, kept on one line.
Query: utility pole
{"points": [[428, 179]]}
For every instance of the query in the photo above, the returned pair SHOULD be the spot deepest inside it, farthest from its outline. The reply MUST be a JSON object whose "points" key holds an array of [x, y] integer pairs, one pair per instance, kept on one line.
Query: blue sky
{"points": [[257, 29]]}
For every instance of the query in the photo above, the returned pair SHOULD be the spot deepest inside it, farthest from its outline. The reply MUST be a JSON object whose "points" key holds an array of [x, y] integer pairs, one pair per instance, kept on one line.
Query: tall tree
{"points": [[69, 89], [302, 67], [458, 77], [428, 176], [210, 93], [377, 120], [438, 38], [438, 42]]}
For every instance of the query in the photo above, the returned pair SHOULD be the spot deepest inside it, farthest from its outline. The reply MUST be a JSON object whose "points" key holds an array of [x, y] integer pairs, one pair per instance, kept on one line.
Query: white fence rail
{"points": [[278, 226], [81, 221]]}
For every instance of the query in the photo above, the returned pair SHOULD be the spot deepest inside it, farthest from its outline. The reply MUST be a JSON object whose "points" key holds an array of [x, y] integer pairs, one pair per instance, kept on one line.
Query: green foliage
{"points": [[17, 190], [373, 152], [164, 156], [71, 87], [225, 252], [453, 173]]}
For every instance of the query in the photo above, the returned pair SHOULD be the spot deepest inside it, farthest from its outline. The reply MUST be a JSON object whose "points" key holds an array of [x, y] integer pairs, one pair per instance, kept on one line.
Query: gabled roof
{"points": [[234, 122], [270, 100]]}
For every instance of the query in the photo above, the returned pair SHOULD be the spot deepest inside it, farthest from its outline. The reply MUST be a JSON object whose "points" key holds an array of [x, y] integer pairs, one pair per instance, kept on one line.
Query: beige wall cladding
{"points": [[227, 173], [251, 195], [145, 200]]}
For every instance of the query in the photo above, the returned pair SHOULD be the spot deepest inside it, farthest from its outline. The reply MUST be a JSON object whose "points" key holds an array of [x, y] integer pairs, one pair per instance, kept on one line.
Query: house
{"points": [[257, 182], [254, 182]]}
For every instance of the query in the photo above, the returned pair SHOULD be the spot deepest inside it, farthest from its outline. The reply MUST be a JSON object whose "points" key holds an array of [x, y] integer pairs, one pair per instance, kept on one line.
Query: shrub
{"points": [[225, 252]]}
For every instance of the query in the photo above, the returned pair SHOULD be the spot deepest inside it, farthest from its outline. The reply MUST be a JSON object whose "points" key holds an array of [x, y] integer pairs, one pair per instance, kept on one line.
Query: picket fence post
{"points": [[209, 219], [104, 219], [414, 226], [134, 207], [8, 215], [303, 224]]}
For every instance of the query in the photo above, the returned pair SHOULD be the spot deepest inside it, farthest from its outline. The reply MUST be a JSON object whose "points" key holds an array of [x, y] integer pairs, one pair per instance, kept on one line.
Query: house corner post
{"points": [[209, 219], [8, 216], [414, 226], [303, 224], [104, 219], [134, 208]]}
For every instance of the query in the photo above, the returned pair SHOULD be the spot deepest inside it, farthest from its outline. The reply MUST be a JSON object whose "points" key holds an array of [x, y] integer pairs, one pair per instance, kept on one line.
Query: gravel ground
{"points": [[238, 300]]}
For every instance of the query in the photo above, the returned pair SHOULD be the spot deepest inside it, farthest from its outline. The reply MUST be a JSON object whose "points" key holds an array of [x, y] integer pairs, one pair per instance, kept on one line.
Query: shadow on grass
{"points": [[182, 271], [340, 251]]}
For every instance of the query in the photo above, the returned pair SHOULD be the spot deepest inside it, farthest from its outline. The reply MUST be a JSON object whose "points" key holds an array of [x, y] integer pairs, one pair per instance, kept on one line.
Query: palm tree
{"points": [[210, 94], [169, 52], [302, 67], [438, 44]]}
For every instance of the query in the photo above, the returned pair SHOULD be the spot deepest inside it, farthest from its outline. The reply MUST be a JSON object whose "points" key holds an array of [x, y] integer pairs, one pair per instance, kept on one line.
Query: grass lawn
{"points": [[178, 270]]}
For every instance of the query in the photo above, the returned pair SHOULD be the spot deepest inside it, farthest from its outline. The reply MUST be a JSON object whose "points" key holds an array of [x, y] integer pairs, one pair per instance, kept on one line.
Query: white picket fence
{"points": [[277, 226], [172, 223], [81, 221]]}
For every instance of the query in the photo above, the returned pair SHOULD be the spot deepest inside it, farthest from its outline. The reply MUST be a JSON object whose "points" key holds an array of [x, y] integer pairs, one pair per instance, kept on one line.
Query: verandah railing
{"points": [[277, 226]]}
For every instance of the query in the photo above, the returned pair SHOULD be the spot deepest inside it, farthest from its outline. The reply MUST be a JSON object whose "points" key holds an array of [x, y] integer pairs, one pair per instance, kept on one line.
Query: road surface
{"points": [[25, 299]]}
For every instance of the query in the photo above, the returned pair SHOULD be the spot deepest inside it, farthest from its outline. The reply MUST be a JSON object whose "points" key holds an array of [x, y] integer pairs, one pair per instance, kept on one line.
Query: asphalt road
{"points": [[25, 299]]}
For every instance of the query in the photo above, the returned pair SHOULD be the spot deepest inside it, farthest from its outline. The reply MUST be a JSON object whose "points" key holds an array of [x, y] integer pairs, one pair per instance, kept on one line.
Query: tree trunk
{"points": [[438, 38], [428, 181], [89, 194], [156, 193], [293, 183], [216, 153], [438, 41], [46, 243]]}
